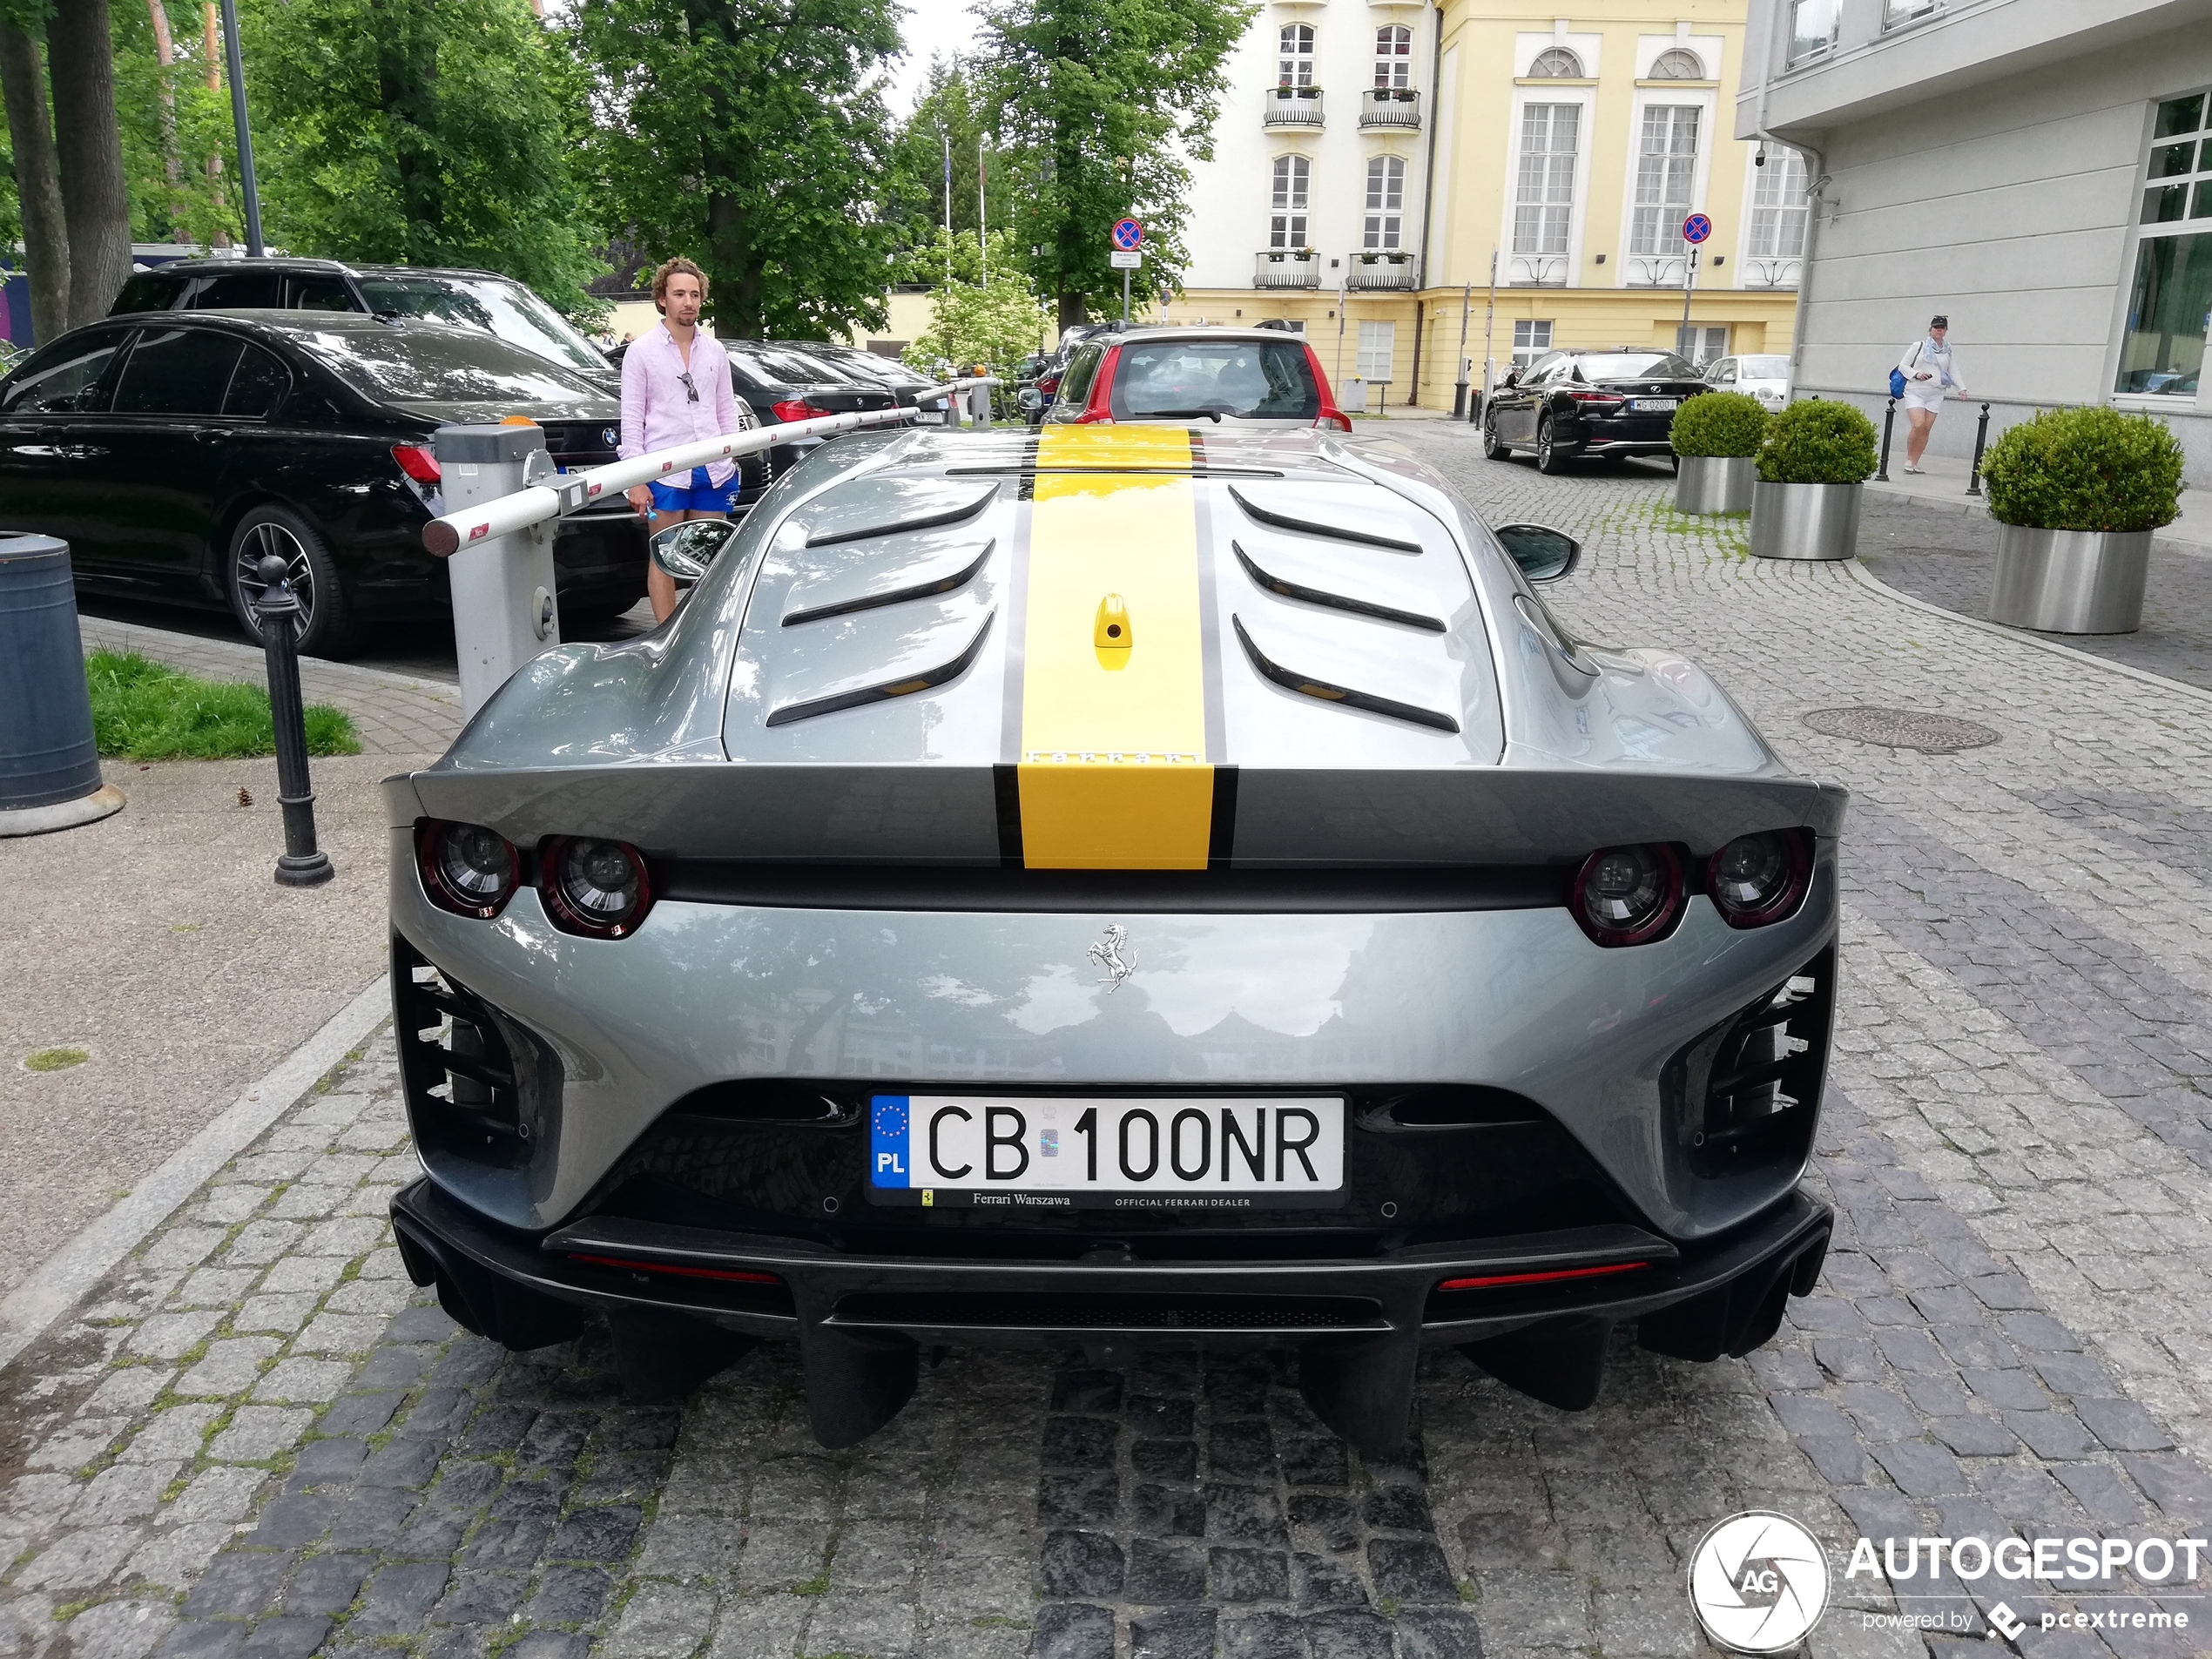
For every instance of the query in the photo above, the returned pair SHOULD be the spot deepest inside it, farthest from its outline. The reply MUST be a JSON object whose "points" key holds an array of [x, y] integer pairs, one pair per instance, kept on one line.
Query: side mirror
{"points": [[1543, 555], [685, 552]]}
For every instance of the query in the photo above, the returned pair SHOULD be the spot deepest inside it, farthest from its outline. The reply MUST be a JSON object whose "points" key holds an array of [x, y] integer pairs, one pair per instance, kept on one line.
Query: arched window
{"points": [[1557, 63], [1385, 204], [1393, 58], [1678, 63], [1293, 181], [1294, 62]]}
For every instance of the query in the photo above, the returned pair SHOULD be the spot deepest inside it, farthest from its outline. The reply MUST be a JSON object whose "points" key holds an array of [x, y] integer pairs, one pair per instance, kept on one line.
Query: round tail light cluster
{"points": [[466, 868], [596, 887], [1627, 896], [1759, 879]]}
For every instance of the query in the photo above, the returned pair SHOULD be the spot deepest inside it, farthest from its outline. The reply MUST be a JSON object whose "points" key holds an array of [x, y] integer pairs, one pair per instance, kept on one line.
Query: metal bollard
{"points": [[979, 405], [504, 609], [1889, 425], [1981, 439], [302, 864]]}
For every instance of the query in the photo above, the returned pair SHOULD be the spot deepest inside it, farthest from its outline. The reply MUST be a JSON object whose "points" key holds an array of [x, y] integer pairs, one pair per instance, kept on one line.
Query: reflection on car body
{"points": [[1122, 885]]}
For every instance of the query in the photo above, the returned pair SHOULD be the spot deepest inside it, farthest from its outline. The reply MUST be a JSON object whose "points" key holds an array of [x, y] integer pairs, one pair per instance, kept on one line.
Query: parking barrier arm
{"points": [[569, 493]]}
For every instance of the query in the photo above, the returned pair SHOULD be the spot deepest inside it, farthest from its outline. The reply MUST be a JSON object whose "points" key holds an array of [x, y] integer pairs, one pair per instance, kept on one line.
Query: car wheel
{"points": [[1492, 445], [327, 627], [1548, 458]]}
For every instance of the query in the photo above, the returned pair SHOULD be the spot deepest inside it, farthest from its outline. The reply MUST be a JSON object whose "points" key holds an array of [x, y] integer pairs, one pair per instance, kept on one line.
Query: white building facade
{"points": [[2039, 171]]}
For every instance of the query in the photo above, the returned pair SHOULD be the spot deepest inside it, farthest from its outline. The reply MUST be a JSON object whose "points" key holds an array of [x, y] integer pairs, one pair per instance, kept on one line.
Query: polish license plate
{"points": [[1032, 1153], [1655, 404]]}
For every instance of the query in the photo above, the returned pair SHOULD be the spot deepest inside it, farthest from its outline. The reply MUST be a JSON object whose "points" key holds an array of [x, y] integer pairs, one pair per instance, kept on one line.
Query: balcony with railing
{"points": [[1366, 271], [1398, 107], [1657, 270], [1771, 274], [1536, 270], [1286, 267], [1293, 106]]}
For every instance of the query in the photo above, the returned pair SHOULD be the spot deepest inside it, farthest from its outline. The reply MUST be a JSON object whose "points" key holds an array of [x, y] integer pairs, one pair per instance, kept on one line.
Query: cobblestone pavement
{"points": [[261, 1442], [1949, 558]]}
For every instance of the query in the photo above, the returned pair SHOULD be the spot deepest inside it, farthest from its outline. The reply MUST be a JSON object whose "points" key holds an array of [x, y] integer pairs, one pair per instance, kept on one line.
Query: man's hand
{"points": [[641, 497]]}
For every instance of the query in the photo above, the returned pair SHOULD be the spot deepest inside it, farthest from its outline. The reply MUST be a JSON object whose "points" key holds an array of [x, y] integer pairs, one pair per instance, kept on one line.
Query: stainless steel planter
{"points": [[1804, 520], [1714, 483], [2070, 581]]}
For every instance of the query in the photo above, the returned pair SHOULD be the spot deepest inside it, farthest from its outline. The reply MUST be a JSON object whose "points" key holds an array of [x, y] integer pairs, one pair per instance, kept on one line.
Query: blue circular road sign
{"points": [[1696, 228], [1129, 235]]}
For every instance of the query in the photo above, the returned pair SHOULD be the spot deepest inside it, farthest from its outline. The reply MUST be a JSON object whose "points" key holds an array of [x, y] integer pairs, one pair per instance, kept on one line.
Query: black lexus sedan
{"points": [[783, 386], [174, 451], [1611, 404], [872, 369]]}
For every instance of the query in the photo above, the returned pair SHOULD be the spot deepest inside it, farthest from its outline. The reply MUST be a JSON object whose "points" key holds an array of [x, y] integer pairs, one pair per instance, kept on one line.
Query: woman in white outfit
{"points": [[1930, 374]]}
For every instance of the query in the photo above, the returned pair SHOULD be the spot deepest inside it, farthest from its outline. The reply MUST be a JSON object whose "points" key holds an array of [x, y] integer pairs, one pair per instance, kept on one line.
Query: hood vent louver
{"points": [[939, 507], [1307, 685], [940, 575], [905, 683], [1309, 527], [1290, 590]]}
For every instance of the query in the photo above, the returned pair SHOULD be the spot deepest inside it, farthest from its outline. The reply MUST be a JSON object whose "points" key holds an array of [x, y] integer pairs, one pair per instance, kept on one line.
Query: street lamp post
{"points": [[246, 184]]}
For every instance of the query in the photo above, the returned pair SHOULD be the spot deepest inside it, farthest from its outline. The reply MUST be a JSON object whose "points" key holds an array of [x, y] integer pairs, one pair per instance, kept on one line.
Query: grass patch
{"points": [[55, 1059], [142, 711]]}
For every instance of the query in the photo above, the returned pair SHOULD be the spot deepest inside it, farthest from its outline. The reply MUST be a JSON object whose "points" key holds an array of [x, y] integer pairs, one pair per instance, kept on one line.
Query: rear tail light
{"points": [[1629, 895], [1598, 399], [1333, 420], [1497, 1281], [416, 462], [466, 868], [798, 408], [1756, 879], [594, 887]]}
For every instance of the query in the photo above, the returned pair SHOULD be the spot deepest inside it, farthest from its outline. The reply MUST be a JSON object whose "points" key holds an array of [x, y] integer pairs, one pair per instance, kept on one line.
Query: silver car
{"points": [[1114, 886], [1762, 375]]}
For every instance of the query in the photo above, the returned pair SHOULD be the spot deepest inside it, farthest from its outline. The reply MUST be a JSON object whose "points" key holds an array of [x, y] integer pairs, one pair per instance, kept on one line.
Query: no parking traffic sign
{"points": [[1696, 229], [1129, 235]]}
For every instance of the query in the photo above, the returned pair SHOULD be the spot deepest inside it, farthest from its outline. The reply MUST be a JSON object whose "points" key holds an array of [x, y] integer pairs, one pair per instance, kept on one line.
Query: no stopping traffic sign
{"points": [[1129, 235], [1696, 228]]}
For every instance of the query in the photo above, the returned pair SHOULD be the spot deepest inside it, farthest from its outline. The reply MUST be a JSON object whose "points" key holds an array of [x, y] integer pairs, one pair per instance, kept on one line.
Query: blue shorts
{"points": [[690, 493]]}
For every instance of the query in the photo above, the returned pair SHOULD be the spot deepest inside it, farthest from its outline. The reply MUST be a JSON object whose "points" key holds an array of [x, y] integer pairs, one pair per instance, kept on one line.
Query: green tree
{"points": [[752, 136], [424, 132], [996, 323], [1099, 100], [172, 120], [951, 115]]}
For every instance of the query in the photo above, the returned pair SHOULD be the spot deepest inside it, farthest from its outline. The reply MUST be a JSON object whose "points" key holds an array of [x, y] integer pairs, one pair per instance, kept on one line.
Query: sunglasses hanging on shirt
{"points": [[690, 392]]}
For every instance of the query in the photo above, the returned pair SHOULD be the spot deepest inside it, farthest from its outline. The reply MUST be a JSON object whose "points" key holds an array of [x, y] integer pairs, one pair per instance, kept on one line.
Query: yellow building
{"points": [[1374, 157]]}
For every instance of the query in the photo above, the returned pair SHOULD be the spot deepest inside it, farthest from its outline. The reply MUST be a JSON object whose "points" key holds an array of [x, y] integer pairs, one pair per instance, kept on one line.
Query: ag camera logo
{"points": [[1758, 1582]]}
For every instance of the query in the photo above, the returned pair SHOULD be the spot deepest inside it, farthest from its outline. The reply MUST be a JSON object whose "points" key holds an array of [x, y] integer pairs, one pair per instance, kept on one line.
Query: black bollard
{"points": [[303, 864], [1981, 437], [1889, 425]]}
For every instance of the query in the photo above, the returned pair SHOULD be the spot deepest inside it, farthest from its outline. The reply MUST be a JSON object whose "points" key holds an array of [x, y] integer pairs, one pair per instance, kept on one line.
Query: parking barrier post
{"points": [[1981, 440], [302, 864], [505, 608], [1889, 425]]}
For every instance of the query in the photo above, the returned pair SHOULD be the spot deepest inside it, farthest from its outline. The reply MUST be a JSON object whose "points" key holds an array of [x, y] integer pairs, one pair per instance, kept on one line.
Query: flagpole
{"points": [[982, 246], [948, 135]]}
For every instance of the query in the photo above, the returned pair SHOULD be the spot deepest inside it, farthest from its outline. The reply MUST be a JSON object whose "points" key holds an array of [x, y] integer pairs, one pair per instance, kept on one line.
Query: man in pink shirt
{"points": [[676, 390]]}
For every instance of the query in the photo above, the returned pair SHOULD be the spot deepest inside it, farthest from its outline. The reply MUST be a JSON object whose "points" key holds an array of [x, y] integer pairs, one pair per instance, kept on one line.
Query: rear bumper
{"points": [[1602, 446]]}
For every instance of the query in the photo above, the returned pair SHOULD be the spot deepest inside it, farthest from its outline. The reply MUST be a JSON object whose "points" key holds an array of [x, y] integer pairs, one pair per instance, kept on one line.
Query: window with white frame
{"points": [[1897, 11], [1666, 175], [1532, 337], [1779, 208], [1294, 62], [1678, 63], [1555, 63], [1543, 209], [1813, 27], [2161, 347], [1292, 180], [1393, 58], [1386, 217], [1377, 344]]}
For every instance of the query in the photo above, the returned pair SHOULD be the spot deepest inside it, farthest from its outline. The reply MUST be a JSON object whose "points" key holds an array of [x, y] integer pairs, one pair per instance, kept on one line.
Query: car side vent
{"points": [[479, 1086], [1747, 1094]]}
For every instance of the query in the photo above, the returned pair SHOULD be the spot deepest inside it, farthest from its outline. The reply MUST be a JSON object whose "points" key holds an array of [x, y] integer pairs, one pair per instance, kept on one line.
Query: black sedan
{"points": [[783, 386], [872, 369], [1605, 403], [174, 451]]}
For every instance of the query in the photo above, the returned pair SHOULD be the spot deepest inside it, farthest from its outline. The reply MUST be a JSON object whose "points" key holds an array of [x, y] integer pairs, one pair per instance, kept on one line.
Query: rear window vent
{"points": [[479, 1086], [1746, 1094]]}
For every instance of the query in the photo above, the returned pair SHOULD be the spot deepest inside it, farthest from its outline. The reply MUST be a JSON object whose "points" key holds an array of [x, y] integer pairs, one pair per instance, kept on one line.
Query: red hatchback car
{"points": [[1183, 377]]}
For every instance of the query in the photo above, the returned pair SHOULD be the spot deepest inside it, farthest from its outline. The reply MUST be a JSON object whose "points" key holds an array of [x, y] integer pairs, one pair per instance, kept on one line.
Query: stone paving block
{"points": [[231, 1365], [79, 1559], [171, 1335], [310, 1381], [256, 1433], [120, 1629], [173, 1557]]}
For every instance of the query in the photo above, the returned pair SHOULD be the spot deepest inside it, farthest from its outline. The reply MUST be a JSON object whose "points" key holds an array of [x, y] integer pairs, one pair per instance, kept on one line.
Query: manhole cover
{"points": [[1901, 729]]}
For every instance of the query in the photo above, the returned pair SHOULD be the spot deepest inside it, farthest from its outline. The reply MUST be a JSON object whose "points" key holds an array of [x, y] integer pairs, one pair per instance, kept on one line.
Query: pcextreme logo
{"points": [[1758, 1582]]}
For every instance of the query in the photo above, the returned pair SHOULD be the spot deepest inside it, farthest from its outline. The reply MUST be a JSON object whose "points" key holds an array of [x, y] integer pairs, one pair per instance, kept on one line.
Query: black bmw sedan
{"points": [[784, 386], [174, 451], [1603, 403]]}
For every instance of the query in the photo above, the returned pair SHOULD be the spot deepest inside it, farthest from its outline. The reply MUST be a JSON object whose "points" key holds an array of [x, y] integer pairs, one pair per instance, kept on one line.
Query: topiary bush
{"points": [[1818, 442], [2090, 469], [1719, 423]]}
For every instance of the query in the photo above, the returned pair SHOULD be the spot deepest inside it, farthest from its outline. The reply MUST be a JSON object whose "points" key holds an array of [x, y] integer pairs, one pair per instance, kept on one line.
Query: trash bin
{"points": [[50, 767]]}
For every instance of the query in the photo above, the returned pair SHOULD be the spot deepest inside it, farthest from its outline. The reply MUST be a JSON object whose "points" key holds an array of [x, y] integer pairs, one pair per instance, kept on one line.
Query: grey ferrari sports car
{"points": [[1106, 887]]}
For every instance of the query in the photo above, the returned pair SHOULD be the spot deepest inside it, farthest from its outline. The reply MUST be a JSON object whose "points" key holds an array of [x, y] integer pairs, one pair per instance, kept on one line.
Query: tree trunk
{"points": [[165, 55], [45, 236], [211, 54], [96, 204], [1072, 312], [738, 308], [407, 72]]}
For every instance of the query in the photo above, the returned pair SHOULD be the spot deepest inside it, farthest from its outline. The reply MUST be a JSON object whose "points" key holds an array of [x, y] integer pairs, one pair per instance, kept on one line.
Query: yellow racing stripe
{"points": [[1112, 767]]}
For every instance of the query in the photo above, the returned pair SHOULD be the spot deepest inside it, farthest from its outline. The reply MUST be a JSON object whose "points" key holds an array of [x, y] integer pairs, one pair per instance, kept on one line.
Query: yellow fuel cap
{"points": [[1110, 632]]}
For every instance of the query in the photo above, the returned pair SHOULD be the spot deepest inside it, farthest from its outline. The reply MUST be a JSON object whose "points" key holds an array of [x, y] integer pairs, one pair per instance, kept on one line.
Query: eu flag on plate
{"points": [[887, 1160]]}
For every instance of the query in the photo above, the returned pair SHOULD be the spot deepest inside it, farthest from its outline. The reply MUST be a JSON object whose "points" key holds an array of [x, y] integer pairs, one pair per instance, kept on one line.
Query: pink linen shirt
{"points": [[657, 414]]}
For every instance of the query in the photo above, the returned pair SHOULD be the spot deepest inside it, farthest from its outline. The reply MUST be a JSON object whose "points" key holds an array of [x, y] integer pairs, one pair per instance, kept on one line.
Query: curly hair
{"points": [[678, 267]]}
